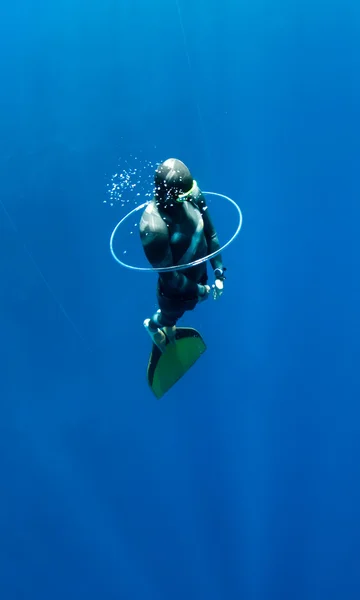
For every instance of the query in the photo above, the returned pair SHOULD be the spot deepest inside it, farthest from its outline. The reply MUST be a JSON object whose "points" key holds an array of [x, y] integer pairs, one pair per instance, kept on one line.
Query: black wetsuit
{"points": [[174, 236]]}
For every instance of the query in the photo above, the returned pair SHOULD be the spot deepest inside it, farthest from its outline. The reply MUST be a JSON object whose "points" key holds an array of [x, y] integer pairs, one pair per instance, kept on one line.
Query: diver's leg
{"points": [[167, 321], [156, 334], [162, 324]]}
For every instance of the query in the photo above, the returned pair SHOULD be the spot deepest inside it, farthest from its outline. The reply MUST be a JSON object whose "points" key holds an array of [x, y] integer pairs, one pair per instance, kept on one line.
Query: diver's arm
{"points": [[212, 240], [209, 230]]}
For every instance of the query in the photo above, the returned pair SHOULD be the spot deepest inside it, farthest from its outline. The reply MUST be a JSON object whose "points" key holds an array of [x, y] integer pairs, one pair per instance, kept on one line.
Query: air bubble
{"points": [[131, 183]]}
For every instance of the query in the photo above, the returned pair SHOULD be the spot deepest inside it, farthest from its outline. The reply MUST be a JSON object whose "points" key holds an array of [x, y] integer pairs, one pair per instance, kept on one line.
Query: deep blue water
{"points": [[243, 482]]}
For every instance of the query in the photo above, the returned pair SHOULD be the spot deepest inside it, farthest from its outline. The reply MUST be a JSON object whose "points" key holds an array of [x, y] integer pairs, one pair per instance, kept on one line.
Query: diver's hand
{"points": [[218, 288], [204, 292]]}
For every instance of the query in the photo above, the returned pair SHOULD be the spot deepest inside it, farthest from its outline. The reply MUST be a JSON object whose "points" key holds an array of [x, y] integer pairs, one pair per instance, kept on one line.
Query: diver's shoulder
{"points": [[152, 209], [198, 199], [151, 217]]}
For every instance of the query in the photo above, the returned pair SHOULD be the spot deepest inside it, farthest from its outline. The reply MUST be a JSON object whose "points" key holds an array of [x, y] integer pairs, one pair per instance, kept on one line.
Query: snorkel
{"points": [[186, 196]]}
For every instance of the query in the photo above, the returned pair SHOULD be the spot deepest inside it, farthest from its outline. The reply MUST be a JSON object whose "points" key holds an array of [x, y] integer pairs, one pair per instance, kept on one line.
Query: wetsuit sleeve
{"points": [[155, 240], [210, 235]]}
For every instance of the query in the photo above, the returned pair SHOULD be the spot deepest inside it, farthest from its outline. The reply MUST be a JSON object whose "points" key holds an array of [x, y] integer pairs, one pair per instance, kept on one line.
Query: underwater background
{"points": [[243, 481]]}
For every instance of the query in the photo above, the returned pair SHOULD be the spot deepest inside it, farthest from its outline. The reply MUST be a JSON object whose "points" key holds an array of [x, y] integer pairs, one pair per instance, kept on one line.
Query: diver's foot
{"points": [[170, 333], [157, 336]]}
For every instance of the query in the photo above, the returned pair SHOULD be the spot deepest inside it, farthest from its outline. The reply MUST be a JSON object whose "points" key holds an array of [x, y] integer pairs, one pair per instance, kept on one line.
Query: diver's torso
{"points": [[187, 239]]}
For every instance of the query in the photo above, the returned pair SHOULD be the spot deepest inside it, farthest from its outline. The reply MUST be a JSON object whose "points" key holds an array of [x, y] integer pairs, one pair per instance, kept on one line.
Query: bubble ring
{"points": [[176, 267]]}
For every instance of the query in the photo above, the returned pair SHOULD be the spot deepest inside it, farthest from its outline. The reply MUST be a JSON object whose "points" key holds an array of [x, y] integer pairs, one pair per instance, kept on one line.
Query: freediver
{"points": [[176, 229]]}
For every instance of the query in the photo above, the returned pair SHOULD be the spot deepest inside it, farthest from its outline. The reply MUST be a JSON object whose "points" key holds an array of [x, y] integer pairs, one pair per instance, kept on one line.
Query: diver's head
{"points": [[173, 182]]}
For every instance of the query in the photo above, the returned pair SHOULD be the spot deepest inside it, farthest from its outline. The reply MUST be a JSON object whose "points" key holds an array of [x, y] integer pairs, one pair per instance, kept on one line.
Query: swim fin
{"points": [[167, 367]]}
